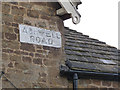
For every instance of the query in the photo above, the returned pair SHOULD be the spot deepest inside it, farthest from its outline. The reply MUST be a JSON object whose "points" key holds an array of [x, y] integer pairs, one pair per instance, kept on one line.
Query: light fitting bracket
{"points": [[70, 7]]}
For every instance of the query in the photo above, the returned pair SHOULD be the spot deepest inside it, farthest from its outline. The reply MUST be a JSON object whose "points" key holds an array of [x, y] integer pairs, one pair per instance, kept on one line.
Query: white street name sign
{"points": [[39, 36]]}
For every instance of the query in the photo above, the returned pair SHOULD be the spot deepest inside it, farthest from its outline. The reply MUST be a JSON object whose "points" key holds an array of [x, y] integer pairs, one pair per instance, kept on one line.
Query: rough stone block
{"points": [[37, 61], [15, 57], [31, 54], [27, 22], [6, 84], [14, 24], [10, 36], [5, 8], [54, 77], [95, 87], [21, 66], [46, 48], [7, 17], [40, 85], [46, 17], [39, 46], [41, 24], [16, 30], [6, 23], [17, 52], [52, 27], [50, 62], [38, 55], [33, 13], [26, 5], [54, 53], [5, 56], [10, 65], [26, 59], [24, 53], [18, 19], [106, 83], [7, 50], [7, 29], [82, 83], [96, 82], [42, 77], [27, 47], [25, 84], [39, 51], [18, 10], [10, 44], [115, 84]]}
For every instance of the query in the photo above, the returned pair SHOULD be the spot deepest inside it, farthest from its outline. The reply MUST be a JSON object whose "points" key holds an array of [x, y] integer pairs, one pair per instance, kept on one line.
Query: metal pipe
{"points": [[75, 81]]}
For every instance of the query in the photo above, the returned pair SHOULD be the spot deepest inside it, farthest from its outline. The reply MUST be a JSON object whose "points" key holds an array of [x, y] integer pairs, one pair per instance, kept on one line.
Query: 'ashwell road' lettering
{"points": [[40, 36]]}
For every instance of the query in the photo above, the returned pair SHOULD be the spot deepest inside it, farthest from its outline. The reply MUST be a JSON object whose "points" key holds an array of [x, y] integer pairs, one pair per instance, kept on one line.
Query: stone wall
{"points": [[35, 66], [93, 83], [28, 65], [0, 42]]}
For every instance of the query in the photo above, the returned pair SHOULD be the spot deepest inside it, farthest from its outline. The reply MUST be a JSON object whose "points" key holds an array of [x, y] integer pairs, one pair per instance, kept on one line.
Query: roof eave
{"points": [[65, 71]]}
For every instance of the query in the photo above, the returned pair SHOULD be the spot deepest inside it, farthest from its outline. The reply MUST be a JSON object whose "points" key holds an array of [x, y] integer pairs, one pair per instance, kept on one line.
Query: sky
{"points": [[99, 20]]}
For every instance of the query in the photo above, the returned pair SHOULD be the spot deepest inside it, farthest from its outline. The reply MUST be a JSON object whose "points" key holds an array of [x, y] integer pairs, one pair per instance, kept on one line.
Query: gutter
{"points": [[65, 71]]}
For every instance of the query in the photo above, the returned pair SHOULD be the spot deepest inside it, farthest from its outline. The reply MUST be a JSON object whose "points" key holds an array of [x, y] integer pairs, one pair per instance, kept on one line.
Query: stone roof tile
{"points": [[88, 54]]}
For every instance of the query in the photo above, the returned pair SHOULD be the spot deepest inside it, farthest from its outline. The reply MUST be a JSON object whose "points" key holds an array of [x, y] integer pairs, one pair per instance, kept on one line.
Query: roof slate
{"points": [[88, 54]]}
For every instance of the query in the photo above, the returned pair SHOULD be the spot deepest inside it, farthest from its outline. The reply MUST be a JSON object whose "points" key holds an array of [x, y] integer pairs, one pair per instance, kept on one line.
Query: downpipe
{"points": [[75, 81]]}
